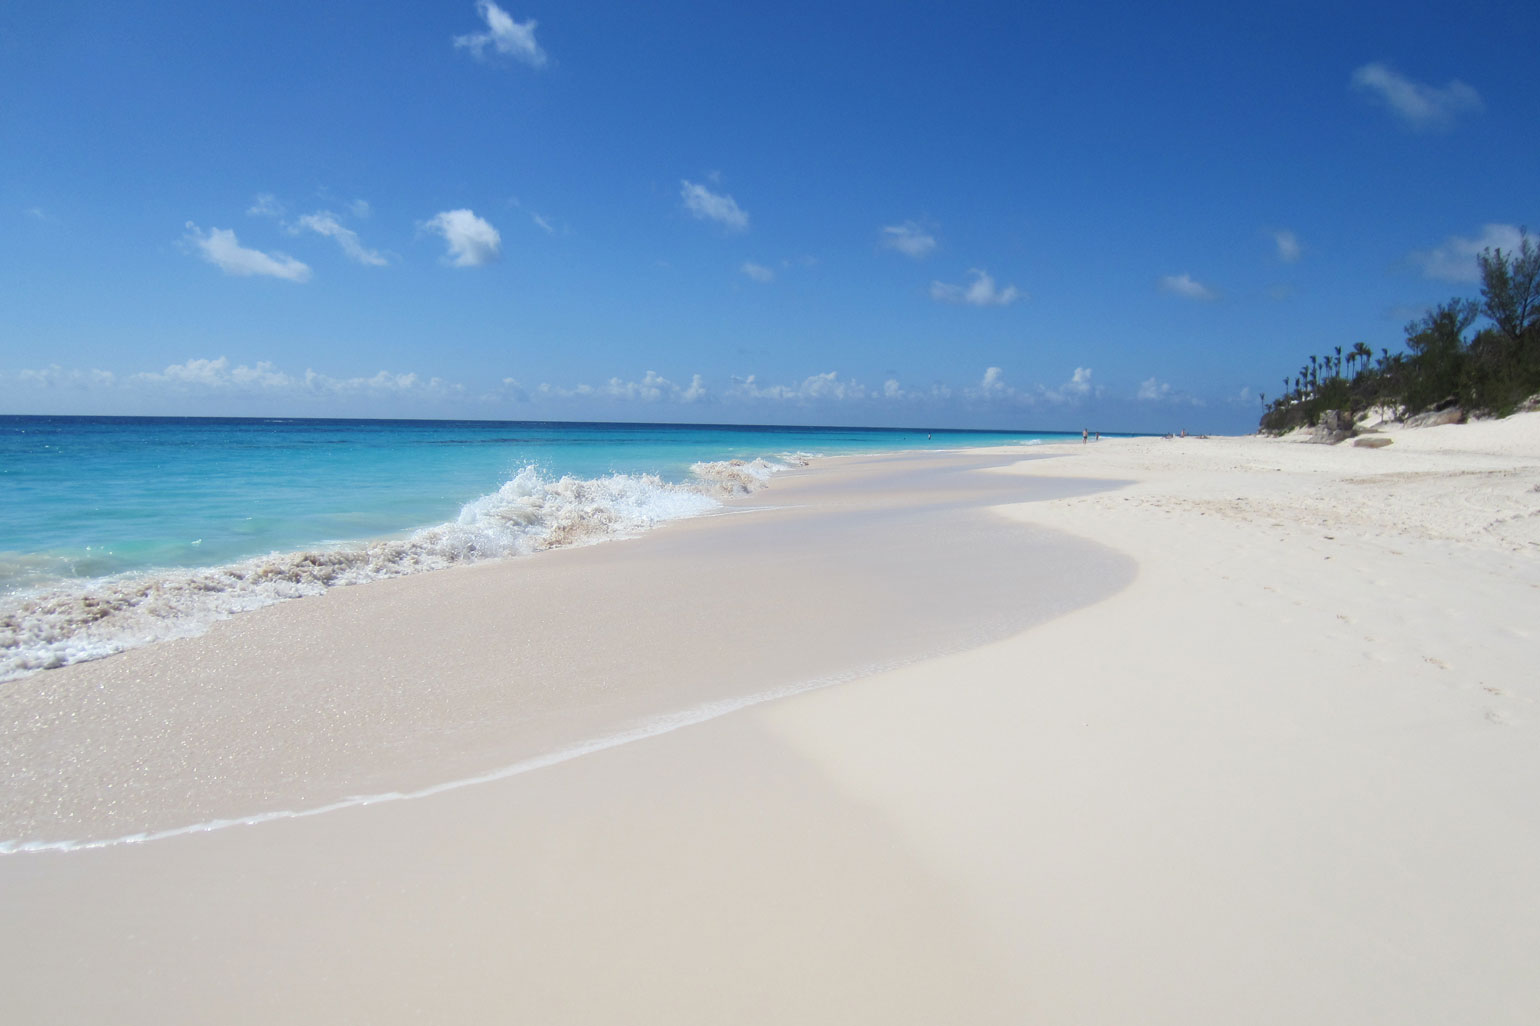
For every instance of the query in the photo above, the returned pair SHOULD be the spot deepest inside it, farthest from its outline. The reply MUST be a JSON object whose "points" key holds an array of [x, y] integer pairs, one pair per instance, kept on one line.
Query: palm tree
{"points": [[1364, 354]]}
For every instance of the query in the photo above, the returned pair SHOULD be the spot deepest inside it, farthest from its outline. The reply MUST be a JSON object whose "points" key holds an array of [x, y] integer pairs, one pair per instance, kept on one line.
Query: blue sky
{"points": [[982, 215]]}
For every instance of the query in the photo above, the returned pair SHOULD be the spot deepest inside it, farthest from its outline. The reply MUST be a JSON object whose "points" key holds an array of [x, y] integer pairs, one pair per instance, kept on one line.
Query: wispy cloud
{"points": [[909, 239], [982, 291], [653, 388], [826, 386], [220, 376], [1186, 286], [1455, 260], [54, 376], [706, 205], [265, 204], [511, 38], [213, 378], [758, 272], [1153, 390], [472, 241], [324, 222], [1415, 103], [220, 247], [1289, 249], [993, 388]]}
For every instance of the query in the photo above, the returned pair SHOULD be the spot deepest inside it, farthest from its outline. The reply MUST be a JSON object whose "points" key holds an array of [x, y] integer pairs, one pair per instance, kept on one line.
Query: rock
{"points": [[1433, 418], [1375, 442], [1335, 425]]}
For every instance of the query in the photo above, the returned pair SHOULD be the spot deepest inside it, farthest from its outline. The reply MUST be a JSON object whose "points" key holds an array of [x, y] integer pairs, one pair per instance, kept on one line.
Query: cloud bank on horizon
{"points": [[539, 210]]}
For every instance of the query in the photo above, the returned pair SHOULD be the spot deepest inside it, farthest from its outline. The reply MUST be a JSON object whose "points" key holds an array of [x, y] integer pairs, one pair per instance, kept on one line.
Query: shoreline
{"points": [[412, 682], [1286, 774]]}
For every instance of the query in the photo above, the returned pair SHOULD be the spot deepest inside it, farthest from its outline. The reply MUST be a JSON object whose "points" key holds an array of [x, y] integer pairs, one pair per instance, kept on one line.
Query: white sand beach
{"points": [[1252, 741]]}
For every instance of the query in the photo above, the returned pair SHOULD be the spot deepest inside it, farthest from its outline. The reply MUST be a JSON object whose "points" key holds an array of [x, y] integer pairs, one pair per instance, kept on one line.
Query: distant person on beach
{"points": [[1085, 434], [1098, 436]]}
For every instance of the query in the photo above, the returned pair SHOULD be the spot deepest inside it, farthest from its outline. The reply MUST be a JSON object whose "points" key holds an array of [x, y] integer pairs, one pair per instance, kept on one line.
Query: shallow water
{"points": [[117, 532]]}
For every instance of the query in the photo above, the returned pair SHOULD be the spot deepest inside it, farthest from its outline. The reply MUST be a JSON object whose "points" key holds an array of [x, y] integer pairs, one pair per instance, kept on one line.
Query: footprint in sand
{"points": [[1501, 719], [1436, 662]]}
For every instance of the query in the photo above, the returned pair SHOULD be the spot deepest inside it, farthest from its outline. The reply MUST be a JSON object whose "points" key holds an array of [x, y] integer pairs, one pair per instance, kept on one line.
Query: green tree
{"points": [[1437, 342], [1510, 288]]}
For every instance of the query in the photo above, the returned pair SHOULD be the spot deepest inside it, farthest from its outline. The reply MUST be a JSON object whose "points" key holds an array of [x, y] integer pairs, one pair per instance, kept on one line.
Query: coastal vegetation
{"points": [[1446, 365]]}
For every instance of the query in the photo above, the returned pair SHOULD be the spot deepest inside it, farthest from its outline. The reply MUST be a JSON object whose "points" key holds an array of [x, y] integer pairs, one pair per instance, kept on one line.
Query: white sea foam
{"points": [[65, 624]]}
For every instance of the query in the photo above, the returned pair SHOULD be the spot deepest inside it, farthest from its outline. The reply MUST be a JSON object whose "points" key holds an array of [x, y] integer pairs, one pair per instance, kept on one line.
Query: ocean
{"points": [[120, 531]]}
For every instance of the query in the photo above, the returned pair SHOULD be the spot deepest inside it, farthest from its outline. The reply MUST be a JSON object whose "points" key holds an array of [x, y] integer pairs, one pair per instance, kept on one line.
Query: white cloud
{"points": [[827, 386], [265, 205], [1289, 249], [472, 241], [993, 388], [1455, 260], [324, 222], [220, 248], [1185, 285], [981, 292], [1078, 387], [54, 376], [1156, 391], [653, 388], [710, 206], [909, 239], [360, 209], [758, 272], [508, 37], [542, 223], [1419, 105], [891, 389], [219, 375], [1079, 383]]}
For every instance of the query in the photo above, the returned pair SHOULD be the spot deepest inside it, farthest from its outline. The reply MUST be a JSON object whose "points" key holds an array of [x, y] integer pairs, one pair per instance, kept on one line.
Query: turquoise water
{"points": [[118, 531]]}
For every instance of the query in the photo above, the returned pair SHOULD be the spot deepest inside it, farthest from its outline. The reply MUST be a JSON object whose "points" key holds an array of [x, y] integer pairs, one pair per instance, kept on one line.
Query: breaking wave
{"points": [[63, 624]]}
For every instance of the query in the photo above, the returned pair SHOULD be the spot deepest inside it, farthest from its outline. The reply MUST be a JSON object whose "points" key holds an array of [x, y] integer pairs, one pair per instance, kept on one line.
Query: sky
{"points": [[996, 215]]}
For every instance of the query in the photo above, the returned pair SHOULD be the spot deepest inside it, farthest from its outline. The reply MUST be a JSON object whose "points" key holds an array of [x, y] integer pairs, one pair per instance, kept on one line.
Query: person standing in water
{"points": [[1085, 434]]}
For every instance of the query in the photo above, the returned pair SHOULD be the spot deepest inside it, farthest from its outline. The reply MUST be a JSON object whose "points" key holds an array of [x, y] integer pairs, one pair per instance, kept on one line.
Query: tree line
{"points": [[1492, 370]]}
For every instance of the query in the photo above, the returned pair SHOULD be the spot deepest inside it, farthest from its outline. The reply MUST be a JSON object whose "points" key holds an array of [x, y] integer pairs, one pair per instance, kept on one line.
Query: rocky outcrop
{"points": [[1433, 418], [1334, 426]]}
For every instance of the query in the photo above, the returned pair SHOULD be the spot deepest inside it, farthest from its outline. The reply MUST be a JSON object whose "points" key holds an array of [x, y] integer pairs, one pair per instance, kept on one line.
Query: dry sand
{"points": [[1286, 774]]}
